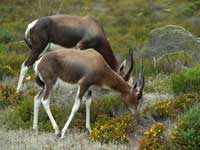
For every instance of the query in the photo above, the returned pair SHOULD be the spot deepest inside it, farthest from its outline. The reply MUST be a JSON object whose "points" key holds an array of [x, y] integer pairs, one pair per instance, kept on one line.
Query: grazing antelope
{"points": [[67, 31], [87, 69]]}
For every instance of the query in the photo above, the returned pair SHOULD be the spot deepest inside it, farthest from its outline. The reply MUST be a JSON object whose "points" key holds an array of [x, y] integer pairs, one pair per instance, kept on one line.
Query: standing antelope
{"points": [[87, 69], [67, 31]]}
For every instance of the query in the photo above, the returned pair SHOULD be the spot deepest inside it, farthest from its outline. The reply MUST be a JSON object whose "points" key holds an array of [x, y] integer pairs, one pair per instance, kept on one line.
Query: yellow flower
{"points": [[28, 78], [146, 133], [154, 134]]}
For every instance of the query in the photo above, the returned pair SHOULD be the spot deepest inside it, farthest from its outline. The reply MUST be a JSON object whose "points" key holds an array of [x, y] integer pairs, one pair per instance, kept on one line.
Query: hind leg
{"points": [[46, 103], [37, 102], [88, 104], [81, 91]]}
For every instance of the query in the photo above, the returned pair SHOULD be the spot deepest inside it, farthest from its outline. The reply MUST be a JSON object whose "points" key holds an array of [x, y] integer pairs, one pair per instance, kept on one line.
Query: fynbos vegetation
{"points": [[165, 37]]}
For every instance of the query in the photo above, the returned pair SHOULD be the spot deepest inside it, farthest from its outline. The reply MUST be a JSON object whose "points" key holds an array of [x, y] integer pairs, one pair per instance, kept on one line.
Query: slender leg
{"points": [[74, 110], [88, 104], [38, 45], [23, 71], [45, 102], [37, 102]]}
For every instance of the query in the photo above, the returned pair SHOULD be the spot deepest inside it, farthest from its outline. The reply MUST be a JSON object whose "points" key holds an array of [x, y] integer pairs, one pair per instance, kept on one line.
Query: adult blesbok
{"points": [[87, 69], [67, 31]]}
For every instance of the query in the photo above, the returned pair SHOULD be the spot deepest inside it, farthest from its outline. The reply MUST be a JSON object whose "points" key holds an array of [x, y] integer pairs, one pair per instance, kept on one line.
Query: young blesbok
{"points": [[87, 69], [67, 31]]}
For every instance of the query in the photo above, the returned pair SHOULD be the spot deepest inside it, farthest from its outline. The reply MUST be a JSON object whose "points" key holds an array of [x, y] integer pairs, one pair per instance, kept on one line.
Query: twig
{"points": [[61, 5], [161, 57]]}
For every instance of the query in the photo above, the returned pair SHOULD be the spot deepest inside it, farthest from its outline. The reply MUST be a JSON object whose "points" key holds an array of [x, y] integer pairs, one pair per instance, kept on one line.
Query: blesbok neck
{"points": [[107, 53], [117, 83]]}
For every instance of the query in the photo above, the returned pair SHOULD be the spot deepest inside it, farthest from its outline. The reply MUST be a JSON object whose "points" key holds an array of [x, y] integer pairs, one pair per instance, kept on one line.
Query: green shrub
{"points": [[21, 116], [3, 48], [12, 59], [171, 108], [6, 71], [154, 138], [101, 110], [187, 134], [187, 81], [5, 36], [187, 10], [115, 130], [10, 64]]}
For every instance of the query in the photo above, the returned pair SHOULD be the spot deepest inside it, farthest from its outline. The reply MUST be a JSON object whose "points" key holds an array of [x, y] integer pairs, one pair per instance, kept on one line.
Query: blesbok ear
{"points": [[128, 74], [121, 68], [138, 86]]}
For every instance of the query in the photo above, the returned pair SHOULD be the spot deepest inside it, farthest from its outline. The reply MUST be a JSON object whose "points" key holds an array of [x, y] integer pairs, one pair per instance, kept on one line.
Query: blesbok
{"points": [[67, 31], [87, 69]]}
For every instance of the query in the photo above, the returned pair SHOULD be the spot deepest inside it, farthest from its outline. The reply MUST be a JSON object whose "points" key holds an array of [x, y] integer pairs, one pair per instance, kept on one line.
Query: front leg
{"points": [[23, 71], [81, 91], [74, 110], [88, 104]]}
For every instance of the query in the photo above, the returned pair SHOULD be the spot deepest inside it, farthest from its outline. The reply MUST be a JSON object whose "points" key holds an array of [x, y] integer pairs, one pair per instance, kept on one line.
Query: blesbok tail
{"points": [[27, 32]]}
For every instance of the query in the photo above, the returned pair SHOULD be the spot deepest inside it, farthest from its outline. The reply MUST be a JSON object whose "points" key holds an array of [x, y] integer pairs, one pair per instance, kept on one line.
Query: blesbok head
{"points": [[134, 98], [139, 86]]}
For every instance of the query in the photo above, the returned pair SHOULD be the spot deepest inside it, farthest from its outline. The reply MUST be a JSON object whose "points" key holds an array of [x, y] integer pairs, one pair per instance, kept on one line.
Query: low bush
{"points": [[5, 36], [21, 116], [6, 71], [115, 130], [160, 83], [10, 64], [187, 10], [12, 59], [8, 96], [154, 138], [101, 110], [187, 81], [187, 134], [171, 108]]}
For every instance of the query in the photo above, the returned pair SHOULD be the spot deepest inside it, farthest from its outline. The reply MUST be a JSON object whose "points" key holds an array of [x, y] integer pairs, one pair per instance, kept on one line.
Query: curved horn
{"points": [[127, 75], [141, 77], [121, 68], [139, 83]]}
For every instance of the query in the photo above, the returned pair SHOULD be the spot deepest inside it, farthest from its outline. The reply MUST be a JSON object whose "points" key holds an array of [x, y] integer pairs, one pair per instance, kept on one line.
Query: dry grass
{"points": [[30, 140]]}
